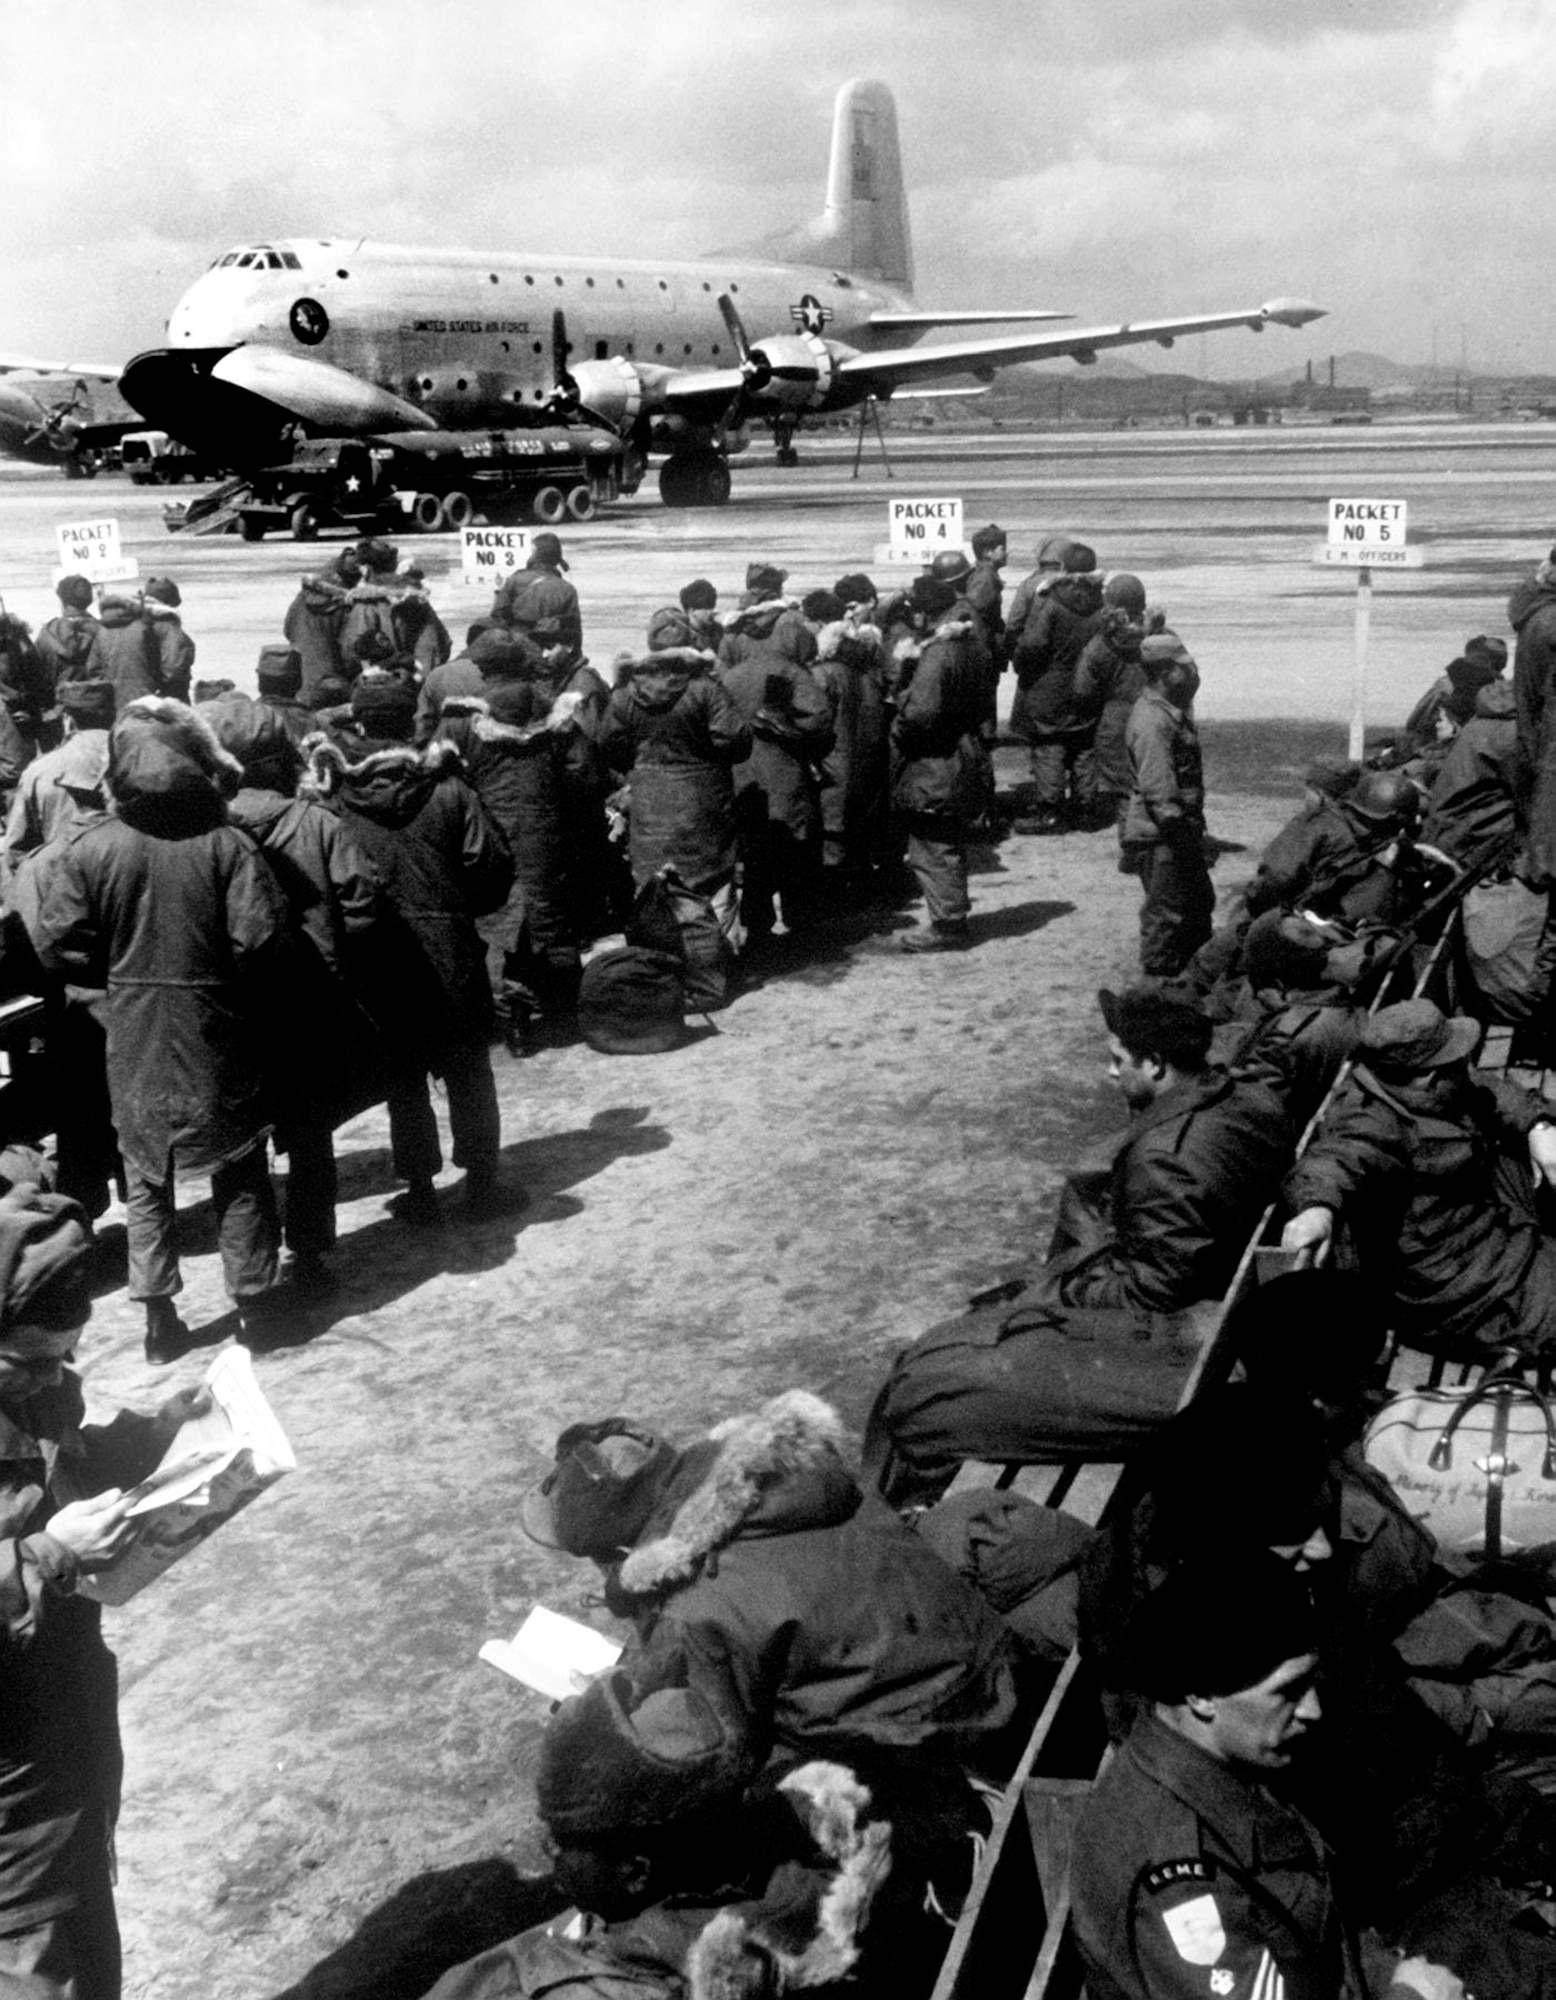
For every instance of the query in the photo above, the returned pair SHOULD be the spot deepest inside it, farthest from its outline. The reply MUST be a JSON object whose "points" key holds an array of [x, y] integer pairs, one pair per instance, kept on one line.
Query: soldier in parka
{"points": [[1162, 835], [939, 761]]}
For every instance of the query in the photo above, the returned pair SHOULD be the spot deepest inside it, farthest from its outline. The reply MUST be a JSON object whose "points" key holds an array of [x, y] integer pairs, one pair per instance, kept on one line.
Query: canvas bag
{"points": [[1477, 1467], [631, 1002], [1503, 926]]}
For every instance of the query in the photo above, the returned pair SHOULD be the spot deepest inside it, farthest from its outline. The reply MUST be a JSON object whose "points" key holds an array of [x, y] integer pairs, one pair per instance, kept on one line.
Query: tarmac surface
{"points": [[1221, 525], [327, 1793]]}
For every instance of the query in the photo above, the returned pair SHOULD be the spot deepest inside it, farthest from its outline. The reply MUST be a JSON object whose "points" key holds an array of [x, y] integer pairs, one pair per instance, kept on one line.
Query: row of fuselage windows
{"points": [[263, 258]]}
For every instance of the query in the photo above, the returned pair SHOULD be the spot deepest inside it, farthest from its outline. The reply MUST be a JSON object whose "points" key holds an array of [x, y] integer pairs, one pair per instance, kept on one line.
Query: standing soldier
{"points": [[1045, 654], [540, 591], [64, 642], [175, 649], [937, 786], [985, 591], [312, 624], [169, 907], [1163, 834]]}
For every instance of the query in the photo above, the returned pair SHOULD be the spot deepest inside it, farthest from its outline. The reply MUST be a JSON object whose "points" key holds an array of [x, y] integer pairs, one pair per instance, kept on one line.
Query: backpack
{"points": [[631, 1002]]}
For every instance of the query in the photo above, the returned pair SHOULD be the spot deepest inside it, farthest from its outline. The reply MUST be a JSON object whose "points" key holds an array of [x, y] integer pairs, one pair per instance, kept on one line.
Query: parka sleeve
{"points": [[485, 861], [1148, 740], [729, 736], [70, 940], [1162, 1241], [1360, 1146]]}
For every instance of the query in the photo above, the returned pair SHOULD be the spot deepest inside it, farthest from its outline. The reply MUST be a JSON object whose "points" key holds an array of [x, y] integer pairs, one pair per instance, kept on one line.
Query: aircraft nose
{"points": [[17, 408], [208, 315]]}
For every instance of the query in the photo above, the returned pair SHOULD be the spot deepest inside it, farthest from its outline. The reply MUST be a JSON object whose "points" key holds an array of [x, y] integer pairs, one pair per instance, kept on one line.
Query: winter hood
{"points": [[167, 773], [389, 783], [855, 645], [1530, 596], [807, 1931], [660, 679], [772, 1472], [116, 611], [755, 621]]}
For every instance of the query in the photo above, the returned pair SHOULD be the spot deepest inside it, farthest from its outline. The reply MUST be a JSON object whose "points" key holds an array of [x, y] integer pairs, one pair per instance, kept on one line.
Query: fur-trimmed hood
{"points": [[911, 647], [757, 620], [774, 1471], [167, 771], [385, 782], [475, 711], [840, 639], [808, 1930]]}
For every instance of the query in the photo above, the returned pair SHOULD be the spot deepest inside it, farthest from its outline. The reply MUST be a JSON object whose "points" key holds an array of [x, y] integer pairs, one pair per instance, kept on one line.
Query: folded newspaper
{"points": [[216, 1464], [555, 1656]]}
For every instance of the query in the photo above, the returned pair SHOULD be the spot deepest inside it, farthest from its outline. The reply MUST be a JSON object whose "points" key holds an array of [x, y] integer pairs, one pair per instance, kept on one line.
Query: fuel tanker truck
{"points": [[439, 479]]}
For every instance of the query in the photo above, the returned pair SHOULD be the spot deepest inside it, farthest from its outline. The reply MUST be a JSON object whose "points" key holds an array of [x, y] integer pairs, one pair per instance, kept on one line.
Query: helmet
{"points": [[1381, 796], [951, 564]]}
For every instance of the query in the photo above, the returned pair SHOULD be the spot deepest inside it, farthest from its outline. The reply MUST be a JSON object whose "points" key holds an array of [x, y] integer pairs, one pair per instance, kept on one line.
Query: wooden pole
{"points": [[1359, 677]]}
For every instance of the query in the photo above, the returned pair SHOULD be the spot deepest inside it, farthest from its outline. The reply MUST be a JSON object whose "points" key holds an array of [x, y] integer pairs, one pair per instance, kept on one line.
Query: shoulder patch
{"points": [[1166, 1873], [1197, 1932]]}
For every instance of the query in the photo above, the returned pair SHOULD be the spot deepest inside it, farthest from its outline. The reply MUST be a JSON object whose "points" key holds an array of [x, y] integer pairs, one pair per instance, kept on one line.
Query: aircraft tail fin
{"points": [[864, 226]]}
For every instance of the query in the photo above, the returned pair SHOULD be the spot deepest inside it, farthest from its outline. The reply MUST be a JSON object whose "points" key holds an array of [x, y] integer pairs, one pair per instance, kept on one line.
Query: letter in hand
{"points": [[1432, 1982], [1311, 1232], [1542, 1153], [94, 1530]]}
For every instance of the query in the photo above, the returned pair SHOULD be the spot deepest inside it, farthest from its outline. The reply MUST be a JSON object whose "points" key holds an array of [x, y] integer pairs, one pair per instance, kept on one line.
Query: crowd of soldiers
{"points": [[1331, 1739]]}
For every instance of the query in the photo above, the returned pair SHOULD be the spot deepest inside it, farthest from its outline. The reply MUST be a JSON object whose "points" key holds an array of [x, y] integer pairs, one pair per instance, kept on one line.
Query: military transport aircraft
{"points": [[296, 337], [49, 420]]}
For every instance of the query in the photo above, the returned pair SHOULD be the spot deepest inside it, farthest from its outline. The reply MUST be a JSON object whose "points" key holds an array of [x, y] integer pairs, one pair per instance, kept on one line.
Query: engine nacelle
{"points": [[611, 390], [800, 369]]}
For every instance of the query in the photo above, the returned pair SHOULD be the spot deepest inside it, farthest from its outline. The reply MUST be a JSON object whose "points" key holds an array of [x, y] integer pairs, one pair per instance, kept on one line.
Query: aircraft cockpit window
{"points": [[246, 261], [273, 262], [230, 258], [290, 261]]}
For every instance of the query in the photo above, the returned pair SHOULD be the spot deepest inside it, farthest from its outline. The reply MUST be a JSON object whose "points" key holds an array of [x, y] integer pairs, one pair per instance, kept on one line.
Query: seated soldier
{"points": [[1345, 859], [692, 1874], [1423, 1839], [1091, 1360], [1304, 1024], [1191, 1873], [802, 1608], [1474, 794], [1434, 1167]]}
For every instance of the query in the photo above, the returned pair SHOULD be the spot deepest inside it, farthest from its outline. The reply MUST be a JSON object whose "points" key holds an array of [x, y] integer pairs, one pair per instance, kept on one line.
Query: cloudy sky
{"points": [[1114, 158]]}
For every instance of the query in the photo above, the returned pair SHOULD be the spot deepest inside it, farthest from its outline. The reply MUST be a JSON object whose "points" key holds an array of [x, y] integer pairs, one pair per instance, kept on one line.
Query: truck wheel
{"points": [[458, 510], [427, 513], [305, 521], [580, 504], [713, 483], [549, 506], [251, 527]]}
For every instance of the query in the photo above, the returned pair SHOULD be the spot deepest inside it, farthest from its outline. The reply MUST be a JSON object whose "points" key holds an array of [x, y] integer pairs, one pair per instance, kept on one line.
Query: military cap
{"points": [[1164, 649], [549, 549], [163, 590], [1052, 550], [931, 595], [1151, 1020], [765, 576], [669, 627], [1484, 647], [90, 703], [825, 606], [1079, 559], [1219, 1627], [616, 1764], [1413, 1035], [1126, 592], [74, 592], [698, 595], [599, 1494], [856, 588]]}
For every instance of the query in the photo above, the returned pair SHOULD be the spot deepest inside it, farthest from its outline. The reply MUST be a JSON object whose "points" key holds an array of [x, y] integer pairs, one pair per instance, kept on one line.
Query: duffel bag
{"points": [[1477, 1467], [632, 1002], [1504, 926]]}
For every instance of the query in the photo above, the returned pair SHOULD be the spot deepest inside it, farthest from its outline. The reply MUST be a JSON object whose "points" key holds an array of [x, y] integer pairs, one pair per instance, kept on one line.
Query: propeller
{"points": [[563, 400], [60, 426], [755, 368]]}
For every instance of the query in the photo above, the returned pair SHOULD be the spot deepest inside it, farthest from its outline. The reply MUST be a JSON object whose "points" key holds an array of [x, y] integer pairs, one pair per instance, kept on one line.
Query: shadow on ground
{"points": [[434, 1922]]}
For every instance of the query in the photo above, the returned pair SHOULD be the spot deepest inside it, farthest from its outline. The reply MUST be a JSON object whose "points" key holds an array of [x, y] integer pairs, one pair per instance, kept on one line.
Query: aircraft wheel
{"points": [[713, 484], [458, 510], [251, 528], [549, 506], [305, 521], [678, 482], [580, 504], [427, 512], [787, 455]]}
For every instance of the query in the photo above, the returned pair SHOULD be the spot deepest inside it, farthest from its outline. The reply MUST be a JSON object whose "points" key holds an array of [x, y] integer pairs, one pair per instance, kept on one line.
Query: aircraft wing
{"points": [[907, 322], [891, 368], [28, 364]]}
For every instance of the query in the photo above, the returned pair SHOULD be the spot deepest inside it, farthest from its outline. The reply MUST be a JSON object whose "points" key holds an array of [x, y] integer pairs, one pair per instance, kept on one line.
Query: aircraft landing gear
{"points": [[694, 479], [783, 439]]}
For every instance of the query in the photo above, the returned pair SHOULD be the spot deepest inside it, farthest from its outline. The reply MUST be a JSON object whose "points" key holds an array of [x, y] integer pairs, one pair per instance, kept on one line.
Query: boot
{"points": [[418, 1206], [167, 1337], [938, 937]]}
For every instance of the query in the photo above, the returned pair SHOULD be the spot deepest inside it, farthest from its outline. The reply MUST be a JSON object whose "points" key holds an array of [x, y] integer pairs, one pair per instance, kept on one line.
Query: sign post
{"points": [[1364, 535], [920, 530]]}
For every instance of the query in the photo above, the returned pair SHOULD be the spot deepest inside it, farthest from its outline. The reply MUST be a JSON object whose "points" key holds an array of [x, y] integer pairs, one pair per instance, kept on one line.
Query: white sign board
{"points": [[1367, 524], [489, 555], [91, 549], [924, 528], [1351, 555]]}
